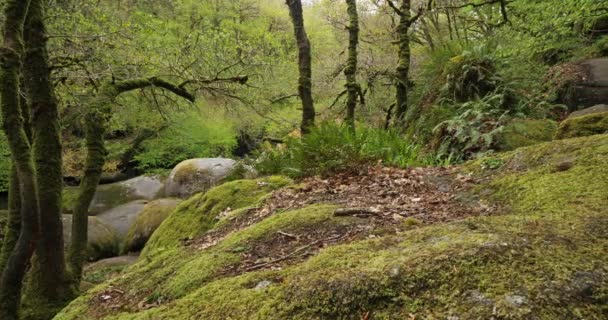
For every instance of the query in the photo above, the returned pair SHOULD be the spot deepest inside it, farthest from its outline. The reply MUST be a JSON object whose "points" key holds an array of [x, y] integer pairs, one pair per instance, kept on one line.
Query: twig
{"points": [[289, 235], [261, 265]]}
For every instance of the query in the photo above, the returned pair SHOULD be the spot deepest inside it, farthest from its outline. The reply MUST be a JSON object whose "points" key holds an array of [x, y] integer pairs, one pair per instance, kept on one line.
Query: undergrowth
{"points": [[331, 148]]}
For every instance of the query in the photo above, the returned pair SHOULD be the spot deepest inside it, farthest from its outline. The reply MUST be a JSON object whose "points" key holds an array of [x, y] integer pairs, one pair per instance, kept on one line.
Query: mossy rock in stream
{"points": [[544, 257], [587, 125]]}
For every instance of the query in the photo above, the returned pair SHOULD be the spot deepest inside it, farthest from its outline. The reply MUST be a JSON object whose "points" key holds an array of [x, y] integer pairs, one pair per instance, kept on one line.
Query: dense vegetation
{"points": [[96, 92]]}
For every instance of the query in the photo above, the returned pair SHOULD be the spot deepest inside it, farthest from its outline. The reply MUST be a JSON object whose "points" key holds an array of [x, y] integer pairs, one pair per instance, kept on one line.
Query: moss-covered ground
{"points": [[541, 256]]}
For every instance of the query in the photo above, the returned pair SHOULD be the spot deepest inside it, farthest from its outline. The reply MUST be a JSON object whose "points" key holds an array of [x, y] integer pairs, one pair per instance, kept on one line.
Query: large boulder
{"points": [[585, 125], [102, 240], [121, 218], [525, 132], [594, 89], [111, 195], [153, 214], [197, 175], [591, 110]]}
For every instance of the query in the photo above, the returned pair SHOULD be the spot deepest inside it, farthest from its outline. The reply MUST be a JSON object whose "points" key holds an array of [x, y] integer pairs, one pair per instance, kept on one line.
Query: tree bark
{"points": [[352, 87], [48, 280], [304, 64], [13, 225], [99, 113], [10, 62], [403, 64]]}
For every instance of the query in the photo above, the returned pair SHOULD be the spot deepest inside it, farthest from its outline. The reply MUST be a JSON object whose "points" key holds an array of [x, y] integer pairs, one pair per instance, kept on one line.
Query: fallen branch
{"points": [[345, 212]]}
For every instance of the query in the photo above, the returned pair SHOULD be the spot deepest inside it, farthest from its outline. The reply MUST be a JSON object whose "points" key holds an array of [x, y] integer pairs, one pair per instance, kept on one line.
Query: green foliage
{"points": [[331, 148], [474, 130], [191, 136], [471, 74]]}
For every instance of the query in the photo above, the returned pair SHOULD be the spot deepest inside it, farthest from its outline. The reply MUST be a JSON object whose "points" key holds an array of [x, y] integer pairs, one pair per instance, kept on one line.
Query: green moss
{"points": [[69, 198], [152, 216], [198, 214], [587, 125], [525, 132], [545, 258]]}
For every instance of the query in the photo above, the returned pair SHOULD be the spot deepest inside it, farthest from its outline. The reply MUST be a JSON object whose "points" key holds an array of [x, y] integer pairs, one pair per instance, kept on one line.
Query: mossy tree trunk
{"points": [[99, 113], [49, 283], [352, 87], [13, 225], [13, 125], [402, 76], [304, 65]]}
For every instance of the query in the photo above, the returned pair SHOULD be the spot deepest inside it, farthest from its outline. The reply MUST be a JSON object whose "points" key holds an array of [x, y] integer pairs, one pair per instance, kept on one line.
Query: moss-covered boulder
{"points": [[197, 175], [543, 257], [591, 110], [586, 125], [525, 132], [198, 214], [102, 240], [151, 217]]}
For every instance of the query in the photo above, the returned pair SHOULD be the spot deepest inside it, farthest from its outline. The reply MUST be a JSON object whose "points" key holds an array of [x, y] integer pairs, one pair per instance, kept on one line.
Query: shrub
{"points": [[190, 136], [330, 148]]}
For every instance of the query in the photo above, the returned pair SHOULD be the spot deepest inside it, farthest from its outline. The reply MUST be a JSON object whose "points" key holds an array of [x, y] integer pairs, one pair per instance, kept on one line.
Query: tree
{"points": [[11, 54], [350, 71], [48, 281], [304, 64], [406, 20]]}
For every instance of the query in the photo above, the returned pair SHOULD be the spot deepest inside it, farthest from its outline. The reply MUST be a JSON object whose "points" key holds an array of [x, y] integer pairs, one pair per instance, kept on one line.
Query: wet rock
{"points": [[197, 175]]}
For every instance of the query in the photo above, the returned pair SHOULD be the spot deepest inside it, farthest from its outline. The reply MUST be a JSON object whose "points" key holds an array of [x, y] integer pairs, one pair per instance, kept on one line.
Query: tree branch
{"points": [[128, 85]]}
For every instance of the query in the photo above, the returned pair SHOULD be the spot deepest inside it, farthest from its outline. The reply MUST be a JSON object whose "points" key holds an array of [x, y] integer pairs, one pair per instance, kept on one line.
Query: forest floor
{"points": [[518, 235]]}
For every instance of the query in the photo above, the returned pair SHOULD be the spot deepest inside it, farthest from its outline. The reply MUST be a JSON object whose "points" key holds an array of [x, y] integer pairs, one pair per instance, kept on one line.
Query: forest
{"points": [[303, 159]]}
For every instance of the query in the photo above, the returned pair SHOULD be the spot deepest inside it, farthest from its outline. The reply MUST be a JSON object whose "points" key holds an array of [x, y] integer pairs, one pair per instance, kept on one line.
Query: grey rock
{"points": [[516, 300], [591, 110], [109, 196], [121, 218], [262, 285], [584, 284], [102, 240], [197, 175], [476, 297]]}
